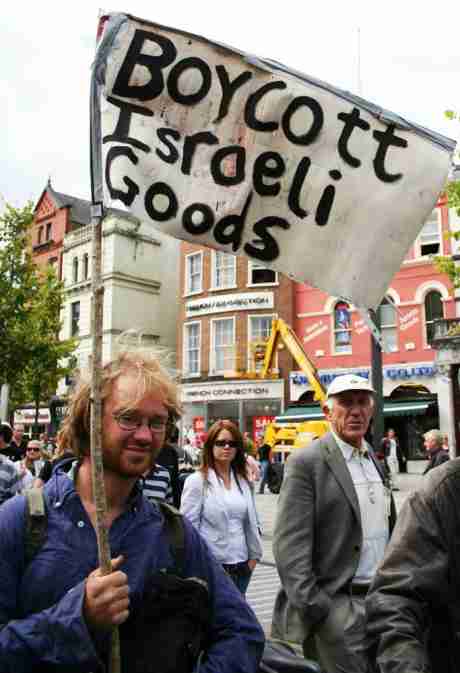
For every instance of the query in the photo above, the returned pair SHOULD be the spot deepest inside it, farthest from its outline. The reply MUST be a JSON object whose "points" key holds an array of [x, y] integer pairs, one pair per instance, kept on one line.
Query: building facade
{"points": [[139, 273], [227, 307], [338, 340]]}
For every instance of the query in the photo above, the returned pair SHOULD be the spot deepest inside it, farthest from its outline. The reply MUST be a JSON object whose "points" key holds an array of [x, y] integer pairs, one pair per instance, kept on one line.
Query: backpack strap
{"points": [[36, 529], [175, 532]]}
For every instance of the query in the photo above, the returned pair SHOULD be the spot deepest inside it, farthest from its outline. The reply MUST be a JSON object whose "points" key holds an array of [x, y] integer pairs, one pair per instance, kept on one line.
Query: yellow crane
{"points": [[283, 437]]}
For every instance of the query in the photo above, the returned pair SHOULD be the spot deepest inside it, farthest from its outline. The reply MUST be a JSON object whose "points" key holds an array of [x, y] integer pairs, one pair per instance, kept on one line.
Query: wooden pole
{"points": [[97, 307], [97, 467]]}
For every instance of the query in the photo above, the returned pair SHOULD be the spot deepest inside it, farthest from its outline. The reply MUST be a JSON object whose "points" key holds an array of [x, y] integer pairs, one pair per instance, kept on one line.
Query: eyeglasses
{"points": [[232, 443], [130, 423], [32, 448]]}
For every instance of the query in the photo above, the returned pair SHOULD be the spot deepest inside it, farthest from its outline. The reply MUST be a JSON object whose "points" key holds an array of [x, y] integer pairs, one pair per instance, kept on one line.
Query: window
{"points": [[260, 275], [342, 328], [75, 270], [194, 273], [260, 327], [429, 239], [433, 311], [224, 270], [75, 318], [388, 325], [49, 228], [85, 266], [192, 341], [40, 235], [223, 346]]}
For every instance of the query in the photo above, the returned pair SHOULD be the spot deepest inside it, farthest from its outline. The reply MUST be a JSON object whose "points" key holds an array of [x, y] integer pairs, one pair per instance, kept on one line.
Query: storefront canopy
{"points": [[312, 412]]}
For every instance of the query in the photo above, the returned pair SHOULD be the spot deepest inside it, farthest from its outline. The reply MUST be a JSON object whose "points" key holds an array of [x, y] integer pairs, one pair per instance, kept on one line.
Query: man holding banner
{"points": [[56, 608]]}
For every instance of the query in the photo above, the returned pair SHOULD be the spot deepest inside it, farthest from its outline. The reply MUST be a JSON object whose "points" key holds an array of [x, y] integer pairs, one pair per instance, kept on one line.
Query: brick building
{"points": [[338, 341], [139, 273], [227, 307]]}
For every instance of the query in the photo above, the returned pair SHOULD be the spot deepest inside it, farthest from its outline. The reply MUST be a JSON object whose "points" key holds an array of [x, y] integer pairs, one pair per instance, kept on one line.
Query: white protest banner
{"points": [[241, 154]]}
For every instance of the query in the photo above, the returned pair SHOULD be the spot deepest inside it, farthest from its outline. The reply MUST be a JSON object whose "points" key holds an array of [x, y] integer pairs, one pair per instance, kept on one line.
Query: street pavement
{"points": [[265, 581]]}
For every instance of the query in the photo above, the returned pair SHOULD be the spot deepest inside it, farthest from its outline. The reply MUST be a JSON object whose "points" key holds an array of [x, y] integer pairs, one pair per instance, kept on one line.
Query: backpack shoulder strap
{"points": [[176, 534], [36, 523]]}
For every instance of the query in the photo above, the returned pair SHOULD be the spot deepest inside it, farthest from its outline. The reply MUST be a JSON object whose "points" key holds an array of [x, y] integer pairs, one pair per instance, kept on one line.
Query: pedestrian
{"points": [[62, 457], [56, 612], [156, 484], [29, 468], [393, 455], [252, 470], [265, 457], [9, 476], [219, 502], [248, 444], [413, 603], [18, 444], [169, 459], [334, 520], [434, 440]]}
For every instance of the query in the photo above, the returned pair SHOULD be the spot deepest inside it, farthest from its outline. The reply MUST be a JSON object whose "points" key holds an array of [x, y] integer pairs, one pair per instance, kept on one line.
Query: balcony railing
{"points": [[445, 331], [78, 236]]}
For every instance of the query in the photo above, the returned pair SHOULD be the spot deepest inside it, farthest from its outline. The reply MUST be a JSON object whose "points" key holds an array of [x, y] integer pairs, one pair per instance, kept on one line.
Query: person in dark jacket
{"points": [[168, 458], [57, 611], [434, 445], [413, 606]]}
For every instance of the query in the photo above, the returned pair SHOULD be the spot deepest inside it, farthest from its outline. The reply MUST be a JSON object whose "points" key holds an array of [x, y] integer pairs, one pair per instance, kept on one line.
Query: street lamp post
{"points": [[377, 383]]}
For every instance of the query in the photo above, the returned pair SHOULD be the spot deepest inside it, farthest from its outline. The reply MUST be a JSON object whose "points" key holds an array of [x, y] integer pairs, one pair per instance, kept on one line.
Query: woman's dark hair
{"points": [[6, 432], [207, 460]]}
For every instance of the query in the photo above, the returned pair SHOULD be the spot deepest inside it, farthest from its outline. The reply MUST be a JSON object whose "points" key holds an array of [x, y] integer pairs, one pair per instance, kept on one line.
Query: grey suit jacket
{"points": [[317, 539]]}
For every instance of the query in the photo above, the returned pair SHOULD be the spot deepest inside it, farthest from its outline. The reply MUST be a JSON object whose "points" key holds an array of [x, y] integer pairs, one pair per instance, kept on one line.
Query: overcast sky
{"points": [[410, 64]]}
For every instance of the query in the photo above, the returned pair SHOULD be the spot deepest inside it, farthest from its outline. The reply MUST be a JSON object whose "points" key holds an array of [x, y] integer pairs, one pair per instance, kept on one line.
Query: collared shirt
{"points": [[371, 495], [237, 511]]}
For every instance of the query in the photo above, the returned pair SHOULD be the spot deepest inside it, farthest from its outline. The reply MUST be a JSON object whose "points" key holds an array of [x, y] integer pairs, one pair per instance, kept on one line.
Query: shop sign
{"points": [[229, 391], [409, 320], [392, 373], [245, 301], [315, 330], [259, 423], [410, 372], [28, 416]]}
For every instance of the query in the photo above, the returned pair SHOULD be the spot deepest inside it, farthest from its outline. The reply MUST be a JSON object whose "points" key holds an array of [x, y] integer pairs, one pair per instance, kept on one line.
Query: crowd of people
{"points": [[361, 591]]}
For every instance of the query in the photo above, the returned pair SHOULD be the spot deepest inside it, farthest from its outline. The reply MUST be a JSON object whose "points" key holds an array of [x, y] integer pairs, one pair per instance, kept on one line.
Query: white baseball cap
{"points": [[349, 382]]}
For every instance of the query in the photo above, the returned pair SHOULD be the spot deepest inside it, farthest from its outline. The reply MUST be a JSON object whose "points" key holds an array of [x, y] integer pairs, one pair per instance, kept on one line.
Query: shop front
{"points": [[249, 404], [26, 417], [410, 402]]}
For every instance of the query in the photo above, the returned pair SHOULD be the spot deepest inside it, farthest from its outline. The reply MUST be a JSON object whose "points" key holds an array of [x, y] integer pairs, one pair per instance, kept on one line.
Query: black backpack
{"points": [[168, 634]]}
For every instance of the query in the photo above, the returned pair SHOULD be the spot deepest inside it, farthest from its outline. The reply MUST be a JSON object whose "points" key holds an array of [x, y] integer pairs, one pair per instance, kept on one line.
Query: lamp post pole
{"points": [[377, 384]]}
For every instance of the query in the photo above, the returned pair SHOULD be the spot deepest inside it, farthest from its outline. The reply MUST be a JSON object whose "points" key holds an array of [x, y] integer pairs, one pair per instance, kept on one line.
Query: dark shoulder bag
{"points": [[169, 633]]}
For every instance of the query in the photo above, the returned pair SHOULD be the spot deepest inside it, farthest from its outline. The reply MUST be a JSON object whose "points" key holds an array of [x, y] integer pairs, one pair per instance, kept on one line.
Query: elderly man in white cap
{"points": [[334, 521]]}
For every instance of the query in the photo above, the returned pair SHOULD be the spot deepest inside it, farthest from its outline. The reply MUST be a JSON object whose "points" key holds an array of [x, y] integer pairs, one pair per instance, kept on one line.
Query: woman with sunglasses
{"points": [[219, 502]]}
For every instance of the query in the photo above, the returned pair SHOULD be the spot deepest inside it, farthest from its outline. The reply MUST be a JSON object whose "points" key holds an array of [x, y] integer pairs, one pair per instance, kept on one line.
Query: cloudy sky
{"points": [[409, 57]]}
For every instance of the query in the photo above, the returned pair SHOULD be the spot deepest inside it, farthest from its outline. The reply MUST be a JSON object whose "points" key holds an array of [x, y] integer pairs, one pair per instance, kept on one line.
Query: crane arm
{"points": [[281, 330]]}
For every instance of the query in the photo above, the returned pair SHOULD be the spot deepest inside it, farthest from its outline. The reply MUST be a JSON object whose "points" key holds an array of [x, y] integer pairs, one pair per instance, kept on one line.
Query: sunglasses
{"points": [[221, 443]]}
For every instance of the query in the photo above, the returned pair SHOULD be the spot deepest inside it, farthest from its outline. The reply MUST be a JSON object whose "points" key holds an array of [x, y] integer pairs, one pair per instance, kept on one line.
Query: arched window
{"points": [[342, 328], [85, 266], [388, 324], [433, 311], [75, 270]]}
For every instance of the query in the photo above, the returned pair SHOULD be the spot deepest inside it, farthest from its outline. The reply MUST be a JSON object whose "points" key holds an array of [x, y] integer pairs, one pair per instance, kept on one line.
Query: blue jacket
{"points": [[41, 622]]}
